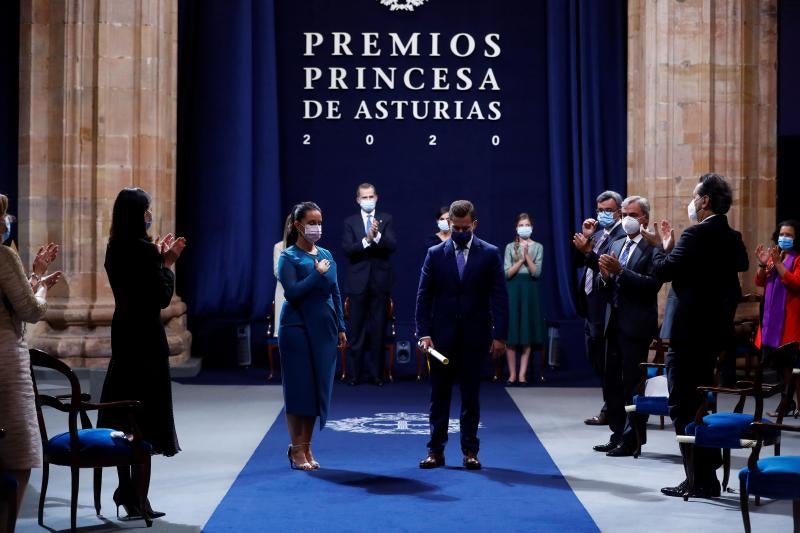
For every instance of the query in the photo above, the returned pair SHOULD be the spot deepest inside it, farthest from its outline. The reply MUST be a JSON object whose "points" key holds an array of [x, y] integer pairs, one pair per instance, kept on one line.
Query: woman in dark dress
{"points": [[139, 272], [443, 227]]}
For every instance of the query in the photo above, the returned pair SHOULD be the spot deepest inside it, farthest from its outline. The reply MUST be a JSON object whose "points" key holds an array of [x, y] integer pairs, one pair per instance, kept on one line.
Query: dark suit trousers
{"points": [[687, 370], [465, 366], [622, 375], [368, 315], [593, 330]]}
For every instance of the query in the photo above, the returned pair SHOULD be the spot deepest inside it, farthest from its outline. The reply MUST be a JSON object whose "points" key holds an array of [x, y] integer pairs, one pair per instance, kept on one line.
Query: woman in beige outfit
{"points": [[21, 300]]}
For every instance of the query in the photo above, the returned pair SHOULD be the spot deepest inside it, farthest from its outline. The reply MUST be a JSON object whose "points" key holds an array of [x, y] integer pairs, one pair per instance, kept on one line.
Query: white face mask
{"points": [[312, 233], [443, 225], [692, 211], [368, 205], [630, 225], [524, 231]]}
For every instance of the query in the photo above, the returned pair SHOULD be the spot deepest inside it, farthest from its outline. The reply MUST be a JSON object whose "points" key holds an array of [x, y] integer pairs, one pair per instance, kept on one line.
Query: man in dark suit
{"points": [[628, 278], [703, 268], [462, 311], [369, 243], [593, 241]]}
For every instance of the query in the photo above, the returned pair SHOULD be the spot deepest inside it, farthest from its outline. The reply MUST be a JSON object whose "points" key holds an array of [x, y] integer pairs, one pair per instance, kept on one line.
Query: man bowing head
{"points": [[462, 311]]}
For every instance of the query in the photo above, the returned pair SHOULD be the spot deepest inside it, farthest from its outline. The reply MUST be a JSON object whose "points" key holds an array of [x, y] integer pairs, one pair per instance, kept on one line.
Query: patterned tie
{"points": [[588, 284], [461, 261], [368, 225], [626, 253]]}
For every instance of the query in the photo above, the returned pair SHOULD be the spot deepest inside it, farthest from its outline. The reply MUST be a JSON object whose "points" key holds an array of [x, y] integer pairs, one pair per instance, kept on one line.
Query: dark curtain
{"points": [[9, 104], [228, 173], [587, 77], [230, 188]]}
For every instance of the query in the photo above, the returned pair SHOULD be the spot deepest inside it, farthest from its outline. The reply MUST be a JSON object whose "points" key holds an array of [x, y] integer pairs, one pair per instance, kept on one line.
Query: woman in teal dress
{"points": [[312, 327], [523, 267]]}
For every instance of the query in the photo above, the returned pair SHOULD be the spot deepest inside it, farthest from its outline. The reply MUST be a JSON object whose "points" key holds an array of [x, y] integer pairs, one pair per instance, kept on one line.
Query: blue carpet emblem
{"points": [[390, 424]]}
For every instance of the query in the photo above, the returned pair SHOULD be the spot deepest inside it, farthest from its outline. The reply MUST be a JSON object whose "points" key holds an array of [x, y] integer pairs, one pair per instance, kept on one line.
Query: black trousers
{"points": [[368, 317], [688, 369], [594, 336], [622, 375], [465, 367]]}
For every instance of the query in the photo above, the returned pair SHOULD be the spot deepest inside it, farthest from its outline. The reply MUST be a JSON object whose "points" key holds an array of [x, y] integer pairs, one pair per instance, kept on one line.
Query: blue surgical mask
{"points": [[368, 205], [605, 219], [7, 232], [147, 224], [443, 225], [784, 243], [524, 231], [461, 238]]}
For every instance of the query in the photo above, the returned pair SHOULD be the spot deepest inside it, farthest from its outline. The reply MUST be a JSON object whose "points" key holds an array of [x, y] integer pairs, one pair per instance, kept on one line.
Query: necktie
{"points": [[461, 261], [588, 283], [626, 253], [368, 225]]}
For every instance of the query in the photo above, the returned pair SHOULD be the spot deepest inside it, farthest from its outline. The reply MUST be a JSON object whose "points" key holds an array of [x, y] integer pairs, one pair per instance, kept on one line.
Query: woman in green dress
{"points": [[523, 267]]}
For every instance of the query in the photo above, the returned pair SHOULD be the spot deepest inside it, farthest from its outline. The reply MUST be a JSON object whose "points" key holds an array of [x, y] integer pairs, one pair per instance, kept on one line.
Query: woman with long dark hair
{"points": [[139, 272], [779, 273], [312, 327]]}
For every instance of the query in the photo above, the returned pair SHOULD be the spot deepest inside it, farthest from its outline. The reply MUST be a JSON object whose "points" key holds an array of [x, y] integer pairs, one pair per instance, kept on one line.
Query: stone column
{"points": [[702, 97], [98, 107]]}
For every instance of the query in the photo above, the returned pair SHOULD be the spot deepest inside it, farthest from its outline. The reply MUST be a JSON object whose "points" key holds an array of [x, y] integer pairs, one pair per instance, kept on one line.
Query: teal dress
{"points": [[310, 320], [525, 316]]}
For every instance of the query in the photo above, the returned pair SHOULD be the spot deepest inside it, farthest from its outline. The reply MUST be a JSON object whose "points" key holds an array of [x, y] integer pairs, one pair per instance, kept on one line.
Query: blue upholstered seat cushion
{"points": [[98, 442], [8, 482], [724, 430], [651, 405], [776, 477]]}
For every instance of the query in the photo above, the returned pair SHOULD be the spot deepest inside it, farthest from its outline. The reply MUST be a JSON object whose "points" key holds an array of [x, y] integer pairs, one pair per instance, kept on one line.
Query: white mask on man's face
{"points": [[630, 225], [692, 211]]}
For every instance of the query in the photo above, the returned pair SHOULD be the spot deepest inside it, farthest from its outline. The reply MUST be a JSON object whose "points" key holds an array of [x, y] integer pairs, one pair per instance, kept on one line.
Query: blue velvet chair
{"points": [[653, 395], [8, 494], [734, 430], [87, 447], [772, 477]]}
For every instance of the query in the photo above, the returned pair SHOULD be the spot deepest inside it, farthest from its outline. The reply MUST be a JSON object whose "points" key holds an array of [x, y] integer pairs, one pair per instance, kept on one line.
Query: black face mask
{"points": [[461, 238]]}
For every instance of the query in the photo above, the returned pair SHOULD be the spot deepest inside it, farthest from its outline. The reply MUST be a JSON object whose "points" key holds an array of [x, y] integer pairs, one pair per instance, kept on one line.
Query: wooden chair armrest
{"points": [[726, 390], [111, 405], [84, 397], [52, 401], [762, 426]]}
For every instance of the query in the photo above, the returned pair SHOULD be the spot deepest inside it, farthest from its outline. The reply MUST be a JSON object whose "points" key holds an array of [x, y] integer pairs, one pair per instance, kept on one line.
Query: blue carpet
{"points": [[370, 480]]}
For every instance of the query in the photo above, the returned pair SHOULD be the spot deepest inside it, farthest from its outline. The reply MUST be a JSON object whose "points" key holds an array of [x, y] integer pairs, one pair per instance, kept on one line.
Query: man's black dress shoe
{"points": [[433, 460], [623, 450], [599, 420], [678, 491], [352, 382], [607, 447], [471, 461], [706, 490]]}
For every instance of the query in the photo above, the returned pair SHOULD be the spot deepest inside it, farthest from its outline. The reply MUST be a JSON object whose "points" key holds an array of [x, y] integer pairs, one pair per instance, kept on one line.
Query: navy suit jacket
{"points": [[592, 306], [633, 294], [369, 267], [703, 268], [478, 303]]}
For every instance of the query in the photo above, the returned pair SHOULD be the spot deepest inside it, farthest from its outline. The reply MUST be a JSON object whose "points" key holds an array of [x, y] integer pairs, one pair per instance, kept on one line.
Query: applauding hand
{"points": [[46, 255]]}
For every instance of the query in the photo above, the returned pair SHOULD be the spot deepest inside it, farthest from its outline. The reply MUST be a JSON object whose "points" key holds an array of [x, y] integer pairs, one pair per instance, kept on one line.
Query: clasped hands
{"points": [[764, 254], [41, 262], [373, 230], [170, 248]]}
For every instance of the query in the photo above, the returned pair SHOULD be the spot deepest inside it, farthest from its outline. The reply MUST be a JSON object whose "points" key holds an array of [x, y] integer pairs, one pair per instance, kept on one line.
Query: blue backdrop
{"points": [[242, 162]]}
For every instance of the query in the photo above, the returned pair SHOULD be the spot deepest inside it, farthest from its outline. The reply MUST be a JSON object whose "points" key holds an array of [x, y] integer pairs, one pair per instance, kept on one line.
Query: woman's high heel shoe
{"points": [[309, 456], [294, 466], [126, 500]]}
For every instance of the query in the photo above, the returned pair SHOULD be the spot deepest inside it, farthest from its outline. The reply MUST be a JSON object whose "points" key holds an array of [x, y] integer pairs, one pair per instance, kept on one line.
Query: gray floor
{"points": [[220, 426]]}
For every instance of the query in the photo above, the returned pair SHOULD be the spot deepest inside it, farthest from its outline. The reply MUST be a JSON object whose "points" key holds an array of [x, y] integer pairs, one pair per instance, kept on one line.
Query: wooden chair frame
{"points": [[76, 404]]}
